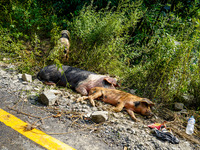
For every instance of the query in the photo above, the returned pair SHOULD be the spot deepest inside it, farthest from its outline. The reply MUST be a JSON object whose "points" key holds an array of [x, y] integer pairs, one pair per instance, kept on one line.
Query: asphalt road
{"points": [[12, 140], [9, 138]]}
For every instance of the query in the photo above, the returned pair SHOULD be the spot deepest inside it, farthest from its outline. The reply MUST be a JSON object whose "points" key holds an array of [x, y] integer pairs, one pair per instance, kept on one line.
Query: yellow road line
{"points": [[35, 135]]}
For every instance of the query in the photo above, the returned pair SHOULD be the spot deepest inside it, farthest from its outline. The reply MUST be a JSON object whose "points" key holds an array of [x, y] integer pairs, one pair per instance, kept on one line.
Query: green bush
{"points": [[152, 46], [99, 38], [171, 65], [9, 46]]}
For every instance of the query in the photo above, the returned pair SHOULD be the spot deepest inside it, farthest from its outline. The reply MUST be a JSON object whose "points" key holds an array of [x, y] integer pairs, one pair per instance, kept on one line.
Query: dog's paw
{"points": [[92, 102], [80, 99], [137, 120], [116, 109]]}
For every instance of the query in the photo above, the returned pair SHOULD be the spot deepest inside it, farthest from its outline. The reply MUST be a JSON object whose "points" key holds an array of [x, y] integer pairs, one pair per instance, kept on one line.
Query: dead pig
{"points": [[80, 80]]}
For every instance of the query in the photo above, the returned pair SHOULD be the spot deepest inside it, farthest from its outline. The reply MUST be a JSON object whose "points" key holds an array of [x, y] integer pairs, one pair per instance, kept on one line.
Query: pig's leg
{"points": [[82, 90], [119, 107], [49, 83], [131, 113]]}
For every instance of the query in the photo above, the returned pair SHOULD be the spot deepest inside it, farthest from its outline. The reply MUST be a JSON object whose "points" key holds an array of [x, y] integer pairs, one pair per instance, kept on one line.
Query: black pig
{"points": [[80, 80]]}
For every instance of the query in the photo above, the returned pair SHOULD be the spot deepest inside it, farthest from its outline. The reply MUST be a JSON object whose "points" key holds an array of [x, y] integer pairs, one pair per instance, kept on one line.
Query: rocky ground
{"points": [[71, 123]]}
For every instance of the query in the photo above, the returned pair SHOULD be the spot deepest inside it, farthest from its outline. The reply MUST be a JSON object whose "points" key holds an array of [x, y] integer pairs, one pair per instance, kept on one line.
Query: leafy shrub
{"points": [[152, 46], [99, 38], [8, 45], [169, 67]]}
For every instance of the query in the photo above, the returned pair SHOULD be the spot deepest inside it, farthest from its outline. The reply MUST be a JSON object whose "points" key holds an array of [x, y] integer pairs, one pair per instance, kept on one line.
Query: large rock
{"points": [[48, 98], [27, 77], [99, 116]]}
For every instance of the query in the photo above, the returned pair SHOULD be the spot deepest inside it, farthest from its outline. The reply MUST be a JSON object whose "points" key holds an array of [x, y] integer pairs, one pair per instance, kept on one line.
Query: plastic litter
{"points": [[166, 136], [157, 125], [160, 131], [190, 126]]}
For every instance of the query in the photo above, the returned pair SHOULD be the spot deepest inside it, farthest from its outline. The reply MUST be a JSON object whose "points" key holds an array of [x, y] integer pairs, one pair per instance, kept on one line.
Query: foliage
{"points": [[100, 37], [152, 46]]}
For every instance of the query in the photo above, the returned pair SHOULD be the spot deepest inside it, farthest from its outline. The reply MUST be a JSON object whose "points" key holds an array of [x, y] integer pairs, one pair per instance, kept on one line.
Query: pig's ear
{"points": [[147, 101], [112, 81]]}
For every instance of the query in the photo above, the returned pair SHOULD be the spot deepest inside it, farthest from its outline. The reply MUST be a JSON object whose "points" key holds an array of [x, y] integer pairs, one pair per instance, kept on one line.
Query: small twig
{"points": [[91, 127], [17, 103], [41, 119], [11, 108], [79, 117], [30, 127]]}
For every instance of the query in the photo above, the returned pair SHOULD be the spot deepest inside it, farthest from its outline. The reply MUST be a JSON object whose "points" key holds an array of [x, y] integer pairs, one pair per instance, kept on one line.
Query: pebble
{"points": [[99, 116], [27, 77]]}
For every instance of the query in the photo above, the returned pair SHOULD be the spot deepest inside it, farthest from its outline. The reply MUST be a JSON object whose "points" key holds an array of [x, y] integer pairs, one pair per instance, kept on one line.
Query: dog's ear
{"points": [[147, 101], [65, 33], [111, 81]]}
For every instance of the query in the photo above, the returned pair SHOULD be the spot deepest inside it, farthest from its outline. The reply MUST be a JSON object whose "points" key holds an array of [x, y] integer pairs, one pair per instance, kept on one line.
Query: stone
{"points": [[2, 72], [87, 114], [94, 108], [132, 91], [56, 92], [25, 82], [19, 76], [178, 106], [99, 116], [48, 98], [28, 88], [15, 77], [130, 130], [27, 77]]}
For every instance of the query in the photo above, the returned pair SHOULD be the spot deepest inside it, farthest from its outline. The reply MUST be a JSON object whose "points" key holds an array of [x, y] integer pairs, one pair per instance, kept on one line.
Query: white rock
{"points": [[27, 77], [2, 72], [25, 82], [19, 76], [56, 92], [48, 98], [132, 91], [99, 116]]}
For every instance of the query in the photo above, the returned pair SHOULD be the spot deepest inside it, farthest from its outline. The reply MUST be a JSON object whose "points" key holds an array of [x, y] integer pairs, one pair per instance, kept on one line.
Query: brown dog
{"points": [[64, 43], [61, 48], [120, 99]]}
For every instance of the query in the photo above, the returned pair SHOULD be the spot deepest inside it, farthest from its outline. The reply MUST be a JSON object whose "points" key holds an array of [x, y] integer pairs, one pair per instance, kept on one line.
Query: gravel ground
{"points": [[68, 121]]}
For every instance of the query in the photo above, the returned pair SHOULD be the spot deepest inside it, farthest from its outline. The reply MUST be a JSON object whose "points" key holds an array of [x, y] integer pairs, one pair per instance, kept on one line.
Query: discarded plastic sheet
{"points": [[162, 133], [166, 136]]}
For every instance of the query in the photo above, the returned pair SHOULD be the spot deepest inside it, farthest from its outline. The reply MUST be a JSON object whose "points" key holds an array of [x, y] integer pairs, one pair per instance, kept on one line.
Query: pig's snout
{"points": [[147, 112]]}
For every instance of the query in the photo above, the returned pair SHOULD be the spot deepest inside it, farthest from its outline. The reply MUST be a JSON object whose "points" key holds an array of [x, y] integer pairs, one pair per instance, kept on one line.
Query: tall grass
{"points": [[99, 38], [150, 47], [163, 67]]}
